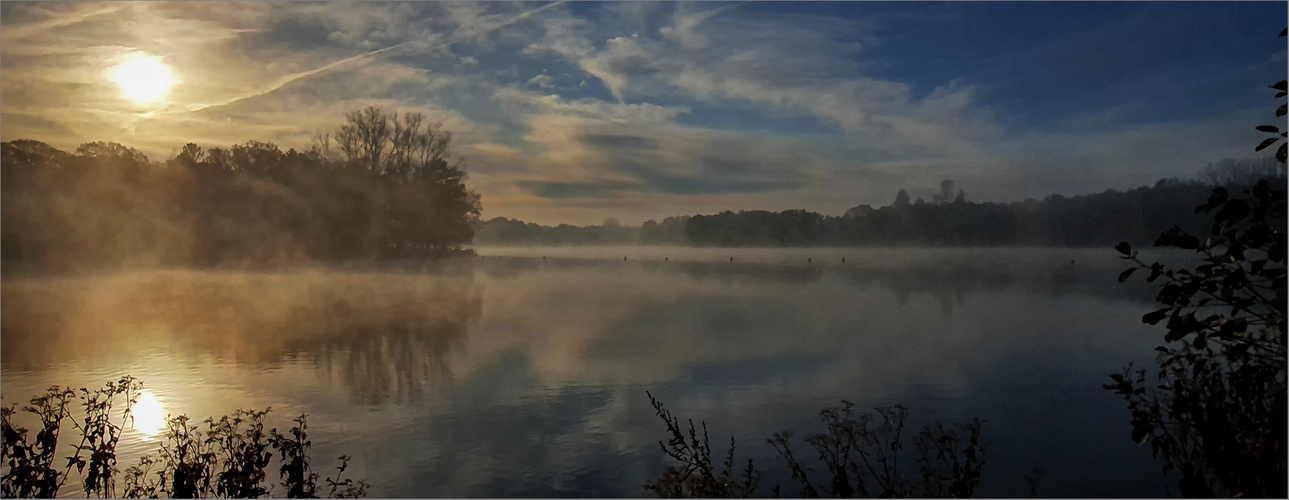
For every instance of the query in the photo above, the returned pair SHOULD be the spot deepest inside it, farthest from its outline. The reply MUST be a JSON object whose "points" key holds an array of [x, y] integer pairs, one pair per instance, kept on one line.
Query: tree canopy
{"points": [[387, 191]]}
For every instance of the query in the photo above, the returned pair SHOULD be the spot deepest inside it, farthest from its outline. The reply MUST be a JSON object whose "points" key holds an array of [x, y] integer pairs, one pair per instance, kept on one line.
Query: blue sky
{"points": [[575, 112]]}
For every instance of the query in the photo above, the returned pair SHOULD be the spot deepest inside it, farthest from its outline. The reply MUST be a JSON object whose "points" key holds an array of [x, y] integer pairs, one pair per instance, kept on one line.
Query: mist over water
{"points": [[477, 249], [522, 372]]}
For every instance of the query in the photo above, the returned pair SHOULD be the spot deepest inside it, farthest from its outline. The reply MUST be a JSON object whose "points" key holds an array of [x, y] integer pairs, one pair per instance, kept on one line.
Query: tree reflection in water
{"points": [[384, 335]]}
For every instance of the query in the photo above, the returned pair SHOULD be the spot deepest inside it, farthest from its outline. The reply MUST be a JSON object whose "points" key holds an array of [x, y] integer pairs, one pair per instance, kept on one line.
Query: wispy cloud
{"points": [[57, 20], [425, 45], [573, 113]]}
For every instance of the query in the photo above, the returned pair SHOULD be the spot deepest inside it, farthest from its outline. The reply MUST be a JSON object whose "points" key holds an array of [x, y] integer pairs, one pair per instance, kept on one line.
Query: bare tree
{"points": [[364, 136], [321, 145]]}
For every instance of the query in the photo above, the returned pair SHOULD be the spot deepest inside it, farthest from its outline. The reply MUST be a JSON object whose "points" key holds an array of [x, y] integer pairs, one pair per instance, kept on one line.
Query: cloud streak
{"points": [[21, 32], [288, 79]]}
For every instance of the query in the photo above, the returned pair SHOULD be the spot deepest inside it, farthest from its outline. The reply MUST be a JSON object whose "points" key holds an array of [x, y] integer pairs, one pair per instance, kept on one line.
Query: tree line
{"points": [[380, 186], [949, 219]]}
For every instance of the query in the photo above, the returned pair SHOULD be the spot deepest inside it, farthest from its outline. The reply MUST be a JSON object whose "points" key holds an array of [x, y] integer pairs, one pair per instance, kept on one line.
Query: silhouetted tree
{"points": [[1242, 173], [946, 194], [108, 205], [902, 198]]}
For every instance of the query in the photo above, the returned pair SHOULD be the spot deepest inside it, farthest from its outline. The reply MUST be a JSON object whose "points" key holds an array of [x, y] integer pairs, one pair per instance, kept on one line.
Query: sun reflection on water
{"points": [[149, 415]]}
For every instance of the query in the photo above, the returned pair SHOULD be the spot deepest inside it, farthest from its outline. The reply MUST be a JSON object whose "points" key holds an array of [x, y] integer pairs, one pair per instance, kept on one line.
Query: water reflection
{"points": [[386, 336], [149, 415], [525, 376]]}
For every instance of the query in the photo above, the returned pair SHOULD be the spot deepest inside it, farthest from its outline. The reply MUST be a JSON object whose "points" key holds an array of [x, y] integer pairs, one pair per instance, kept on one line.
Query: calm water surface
{"points": [[523, 372]]}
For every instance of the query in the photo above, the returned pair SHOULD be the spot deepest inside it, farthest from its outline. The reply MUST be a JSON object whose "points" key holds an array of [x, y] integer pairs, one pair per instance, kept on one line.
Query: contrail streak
{"points": [[281, 82], [18, 32]]}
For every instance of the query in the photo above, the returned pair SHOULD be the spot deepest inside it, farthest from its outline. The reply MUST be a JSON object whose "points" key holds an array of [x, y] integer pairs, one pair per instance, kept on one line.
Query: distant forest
{"points": [[380, 186], [1103, 219]]}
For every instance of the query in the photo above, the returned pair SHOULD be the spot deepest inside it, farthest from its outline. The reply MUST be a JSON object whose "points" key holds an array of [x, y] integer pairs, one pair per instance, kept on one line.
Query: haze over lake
{"points": [[511, 374], [519, 249]]}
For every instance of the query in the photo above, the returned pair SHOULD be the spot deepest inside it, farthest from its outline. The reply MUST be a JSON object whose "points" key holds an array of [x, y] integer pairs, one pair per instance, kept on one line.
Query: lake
{"points": [[523, 372]]}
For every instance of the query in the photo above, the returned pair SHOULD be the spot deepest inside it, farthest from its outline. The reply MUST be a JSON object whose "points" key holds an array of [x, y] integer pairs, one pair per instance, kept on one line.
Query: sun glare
{"points": [[143, 78], [149, 415]]}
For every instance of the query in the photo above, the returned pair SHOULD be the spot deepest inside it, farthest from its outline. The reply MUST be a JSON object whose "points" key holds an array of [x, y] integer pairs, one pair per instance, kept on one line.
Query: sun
{"points": [[143, 78]]}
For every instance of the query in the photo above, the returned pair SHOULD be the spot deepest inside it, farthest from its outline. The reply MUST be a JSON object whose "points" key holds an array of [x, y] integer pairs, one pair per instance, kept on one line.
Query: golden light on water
{"points": [[143, 78], [149, 415]]}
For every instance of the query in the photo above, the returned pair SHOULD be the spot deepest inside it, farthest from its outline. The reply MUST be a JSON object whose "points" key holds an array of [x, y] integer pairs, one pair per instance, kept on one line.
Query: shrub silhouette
{"points": [[698, 476], [1217, 415], [227, 461], [859, 452]]}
